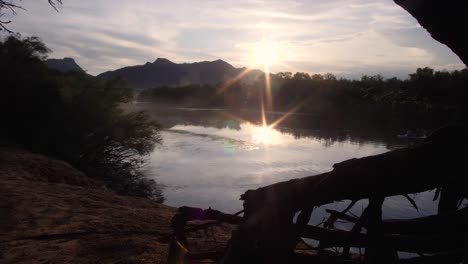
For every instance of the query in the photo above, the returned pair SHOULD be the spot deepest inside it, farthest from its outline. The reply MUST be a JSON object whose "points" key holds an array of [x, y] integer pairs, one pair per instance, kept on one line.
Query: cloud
{"points": [[338, 36], [418, 38]]}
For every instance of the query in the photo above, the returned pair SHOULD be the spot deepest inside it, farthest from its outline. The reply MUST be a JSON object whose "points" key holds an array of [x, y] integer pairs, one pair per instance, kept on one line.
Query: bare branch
{"points": [[411, 201], [10, 7], [55, 4], [2, 27]]}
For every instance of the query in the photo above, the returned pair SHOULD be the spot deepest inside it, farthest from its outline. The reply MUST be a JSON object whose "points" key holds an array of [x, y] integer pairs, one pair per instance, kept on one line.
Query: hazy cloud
{"points": [[347, 37]]}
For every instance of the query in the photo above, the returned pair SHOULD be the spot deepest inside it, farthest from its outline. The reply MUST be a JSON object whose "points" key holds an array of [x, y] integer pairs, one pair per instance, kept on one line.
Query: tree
{"points": [[284, 75], [301, 76], [11, 7], [74, 117]]}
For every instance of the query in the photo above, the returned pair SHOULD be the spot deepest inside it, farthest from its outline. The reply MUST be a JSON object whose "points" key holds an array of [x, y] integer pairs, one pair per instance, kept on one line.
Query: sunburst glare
{"points": [[266, 135], [265, 54]]}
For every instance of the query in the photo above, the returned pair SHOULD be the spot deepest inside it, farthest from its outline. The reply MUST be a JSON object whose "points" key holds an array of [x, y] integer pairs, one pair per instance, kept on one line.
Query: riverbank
{"points": [[53, 213]]}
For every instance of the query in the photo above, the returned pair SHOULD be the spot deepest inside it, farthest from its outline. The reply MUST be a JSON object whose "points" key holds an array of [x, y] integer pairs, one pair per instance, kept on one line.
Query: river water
{"points": [[209, 157]]}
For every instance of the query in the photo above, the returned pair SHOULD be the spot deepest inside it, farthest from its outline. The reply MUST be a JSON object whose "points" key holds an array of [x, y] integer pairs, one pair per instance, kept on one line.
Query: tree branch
{"points": [[11, 7]]}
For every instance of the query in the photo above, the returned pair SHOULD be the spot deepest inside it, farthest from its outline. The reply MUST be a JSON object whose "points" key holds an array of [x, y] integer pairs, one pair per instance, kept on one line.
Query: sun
{"points": [[266, 135], [264, 54]]}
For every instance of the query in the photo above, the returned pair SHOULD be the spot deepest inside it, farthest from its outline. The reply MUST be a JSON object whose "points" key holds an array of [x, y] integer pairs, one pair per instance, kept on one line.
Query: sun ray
{"points": [[269, 98], [262, 110], [265, 54], [233, 80], [287, 114]]}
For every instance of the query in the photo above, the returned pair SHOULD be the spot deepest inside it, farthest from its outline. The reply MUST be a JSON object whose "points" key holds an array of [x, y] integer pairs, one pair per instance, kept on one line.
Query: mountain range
{"points": [[163, 72]]}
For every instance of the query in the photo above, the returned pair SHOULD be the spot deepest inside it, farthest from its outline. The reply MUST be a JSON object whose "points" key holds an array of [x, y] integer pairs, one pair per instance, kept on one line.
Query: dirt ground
{"points": [[52, 213]]}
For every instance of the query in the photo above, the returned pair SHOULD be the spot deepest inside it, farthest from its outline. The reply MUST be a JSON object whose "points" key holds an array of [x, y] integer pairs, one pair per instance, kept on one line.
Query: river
{"points": [[209, 157]]}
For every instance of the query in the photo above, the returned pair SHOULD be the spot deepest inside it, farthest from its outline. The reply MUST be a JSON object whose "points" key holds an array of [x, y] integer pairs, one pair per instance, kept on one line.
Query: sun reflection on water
{"points": [[266, 135]]}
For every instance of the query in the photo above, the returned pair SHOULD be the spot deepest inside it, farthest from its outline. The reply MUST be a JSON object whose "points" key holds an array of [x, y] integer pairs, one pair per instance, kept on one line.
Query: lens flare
{"points": [[263, 54], [228, 83]]}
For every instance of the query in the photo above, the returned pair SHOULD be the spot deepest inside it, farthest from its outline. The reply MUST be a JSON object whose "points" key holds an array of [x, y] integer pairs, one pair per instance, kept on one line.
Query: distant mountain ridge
{"points": [[163, 72], [63, 65]]}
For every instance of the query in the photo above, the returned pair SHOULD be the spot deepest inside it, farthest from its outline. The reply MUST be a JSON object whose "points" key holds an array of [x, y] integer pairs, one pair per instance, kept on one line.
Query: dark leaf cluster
{"points": [[74, 117]]}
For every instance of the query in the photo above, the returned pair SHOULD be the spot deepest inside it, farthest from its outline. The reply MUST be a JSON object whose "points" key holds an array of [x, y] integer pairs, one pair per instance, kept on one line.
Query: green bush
{"points": [[75, 117]]}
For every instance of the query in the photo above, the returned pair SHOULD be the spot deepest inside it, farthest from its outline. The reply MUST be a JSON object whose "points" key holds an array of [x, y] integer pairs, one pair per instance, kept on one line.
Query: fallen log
{"points": [[446, 236], [335, 215], [436, 162]]}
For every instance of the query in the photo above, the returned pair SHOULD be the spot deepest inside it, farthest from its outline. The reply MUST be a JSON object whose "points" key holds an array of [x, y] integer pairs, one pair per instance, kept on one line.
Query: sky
{"points": [[348, 38]]}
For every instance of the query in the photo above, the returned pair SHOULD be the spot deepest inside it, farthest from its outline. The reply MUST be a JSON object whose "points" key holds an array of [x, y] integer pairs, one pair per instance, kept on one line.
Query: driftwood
{"points": [[432, 234]]}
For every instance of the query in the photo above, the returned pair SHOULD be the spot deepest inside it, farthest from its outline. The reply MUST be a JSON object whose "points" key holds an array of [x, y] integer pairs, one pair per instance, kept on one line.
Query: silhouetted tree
{"points": [[284, 75], [74, 117], [425, 92]]}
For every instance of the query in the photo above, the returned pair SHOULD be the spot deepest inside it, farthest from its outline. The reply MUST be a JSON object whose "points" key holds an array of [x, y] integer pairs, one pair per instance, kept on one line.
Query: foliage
{"points": [[74, 117], [425, 92]]}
